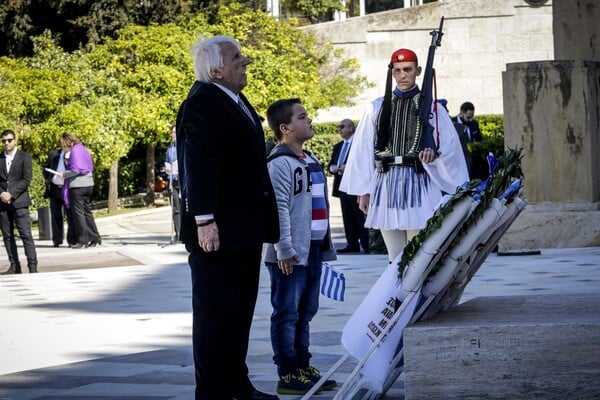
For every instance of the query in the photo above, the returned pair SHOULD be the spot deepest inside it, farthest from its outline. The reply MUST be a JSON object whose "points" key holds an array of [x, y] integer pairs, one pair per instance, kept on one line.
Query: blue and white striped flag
{"points": [[333, 283]]}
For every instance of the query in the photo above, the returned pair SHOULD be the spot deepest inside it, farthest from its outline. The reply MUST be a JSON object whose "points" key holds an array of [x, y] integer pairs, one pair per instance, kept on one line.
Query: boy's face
{"points": [[300, 127], [405, 74]]}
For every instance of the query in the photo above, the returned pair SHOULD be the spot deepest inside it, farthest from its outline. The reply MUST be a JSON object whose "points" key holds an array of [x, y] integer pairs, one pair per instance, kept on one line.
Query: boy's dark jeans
{"points": [[295, 301]]}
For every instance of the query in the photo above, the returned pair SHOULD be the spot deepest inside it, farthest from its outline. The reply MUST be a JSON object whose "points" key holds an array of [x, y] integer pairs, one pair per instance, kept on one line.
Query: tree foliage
{"points": [[314, 10], [152, 64], [79, 24], [288, 62], [128, 89], [57, 92]]}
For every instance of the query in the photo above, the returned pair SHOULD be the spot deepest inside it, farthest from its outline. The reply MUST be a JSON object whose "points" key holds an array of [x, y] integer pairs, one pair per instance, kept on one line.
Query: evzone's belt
{"points": [[401, 161], [404, 161]]}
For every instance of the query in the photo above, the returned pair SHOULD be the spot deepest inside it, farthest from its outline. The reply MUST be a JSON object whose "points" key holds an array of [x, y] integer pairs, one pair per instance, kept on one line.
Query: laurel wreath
{"points": [[509, 169]]}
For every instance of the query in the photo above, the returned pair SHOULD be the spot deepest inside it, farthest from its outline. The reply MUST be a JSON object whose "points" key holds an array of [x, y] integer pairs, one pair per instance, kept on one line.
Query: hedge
{"points": [[492, 129]]}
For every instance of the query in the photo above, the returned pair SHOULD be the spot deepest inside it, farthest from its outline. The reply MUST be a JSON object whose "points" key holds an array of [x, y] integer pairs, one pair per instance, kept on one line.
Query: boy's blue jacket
{"points": [[289, 177]]}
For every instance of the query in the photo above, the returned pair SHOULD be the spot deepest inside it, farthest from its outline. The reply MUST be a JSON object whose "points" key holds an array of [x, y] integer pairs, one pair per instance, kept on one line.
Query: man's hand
{"points": [[363, 203], [5, 197], [428, 155], [208, 237], [287, 266]]}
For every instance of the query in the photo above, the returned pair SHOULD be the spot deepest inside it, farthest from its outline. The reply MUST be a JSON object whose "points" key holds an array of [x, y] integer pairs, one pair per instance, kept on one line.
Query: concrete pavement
{"points": [[114, 322]]}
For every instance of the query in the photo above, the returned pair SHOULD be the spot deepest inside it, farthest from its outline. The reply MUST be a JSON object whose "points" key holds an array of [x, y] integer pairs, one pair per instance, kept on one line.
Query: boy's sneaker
{"points": [[294, 383], [313, 374]]}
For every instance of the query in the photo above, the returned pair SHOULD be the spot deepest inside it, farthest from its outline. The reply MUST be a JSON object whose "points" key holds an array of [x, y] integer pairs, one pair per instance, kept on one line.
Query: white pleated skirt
{"points": [[401, 199]]}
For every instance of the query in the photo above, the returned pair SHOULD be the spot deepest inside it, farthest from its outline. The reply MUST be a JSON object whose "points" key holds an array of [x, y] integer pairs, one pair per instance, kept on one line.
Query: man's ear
{"points": [[216, 74], [419, 71]]}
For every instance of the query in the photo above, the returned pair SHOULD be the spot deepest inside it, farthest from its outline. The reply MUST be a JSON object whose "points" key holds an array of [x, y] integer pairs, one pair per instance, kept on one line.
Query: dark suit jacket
{"points": [[473, 126], [337, 178], [52, 163], [223, 170], [17, 181], [464, 139]]}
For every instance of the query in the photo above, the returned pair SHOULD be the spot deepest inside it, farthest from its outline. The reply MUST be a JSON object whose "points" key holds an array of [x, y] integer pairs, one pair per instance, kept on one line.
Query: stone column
{"points": [[552, 111]]}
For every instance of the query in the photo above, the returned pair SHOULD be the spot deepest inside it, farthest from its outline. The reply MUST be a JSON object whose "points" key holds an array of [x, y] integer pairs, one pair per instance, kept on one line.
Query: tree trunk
{"points": [[113, 185], [150, 161]]}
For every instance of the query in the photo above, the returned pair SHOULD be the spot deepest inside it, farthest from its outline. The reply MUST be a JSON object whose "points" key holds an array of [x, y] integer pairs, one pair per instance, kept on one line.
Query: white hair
{"points": [[208, 57]]}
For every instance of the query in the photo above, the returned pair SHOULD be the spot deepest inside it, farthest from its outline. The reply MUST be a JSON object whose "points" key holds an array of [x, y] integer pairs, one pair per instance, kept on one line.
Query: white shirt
{"points": [[56, 179], [9, 159]]}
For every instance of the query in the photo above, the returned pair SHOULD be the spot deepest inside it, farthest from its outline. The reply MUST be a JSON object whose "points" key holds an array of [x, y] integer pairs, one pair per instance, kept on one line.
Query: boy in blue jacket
{"points": [[294, 262]]}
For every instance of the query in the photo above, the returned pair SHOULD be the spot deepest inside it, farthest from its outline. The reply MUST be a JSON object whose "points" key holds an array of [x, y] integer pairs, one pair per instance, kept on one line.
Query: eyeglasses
{"points": [[7, 140]]}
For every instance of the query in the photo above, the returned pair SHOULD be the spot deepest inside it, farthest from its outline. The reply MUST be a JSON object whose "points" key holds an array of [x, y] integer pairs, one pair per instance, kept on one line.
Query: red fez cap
{"points": [[404, 55]]}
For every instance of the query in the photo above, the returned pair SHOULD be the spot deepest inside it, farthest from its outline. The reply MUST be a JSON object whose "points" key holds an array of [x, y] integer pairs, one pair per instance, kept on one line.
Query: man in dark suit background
{"points": [[228, 210], [58, 211], [352, 216], [15, 177], [477, 165]]}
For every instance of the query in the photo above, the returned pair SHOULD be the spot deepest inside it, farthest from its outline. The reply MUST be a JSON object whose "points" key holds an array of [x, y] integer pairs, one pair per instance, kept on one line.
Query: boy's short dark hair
{"points": [[467, 106], [280, 112]]}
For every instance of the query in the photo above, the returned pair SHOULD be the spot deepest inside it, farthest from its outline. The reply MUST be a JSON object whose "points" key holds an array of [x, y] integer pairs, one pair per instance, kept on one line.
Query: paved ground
{"points": [[114, 322]]}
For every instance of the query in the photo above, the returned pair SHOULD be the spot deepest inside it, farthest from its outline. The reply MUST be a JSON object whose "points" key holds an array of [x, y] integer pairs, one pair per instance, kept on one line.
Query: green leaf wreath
{"points": [[509, 169]]}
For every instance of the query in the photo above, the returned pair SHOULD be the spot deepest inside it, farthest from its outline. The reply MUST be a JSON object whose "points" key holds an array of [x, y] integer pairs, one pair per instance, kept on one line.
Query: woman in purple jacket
{"points": [[77, 190]]}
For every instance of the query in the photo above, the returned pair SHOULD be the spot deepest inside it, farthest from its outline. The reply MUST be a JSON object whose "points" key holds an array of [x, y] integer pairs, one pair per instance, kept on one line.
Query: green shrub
{"points": [[491, 125], [131, 176], [37, 187], [492, 130], [326, 136]]}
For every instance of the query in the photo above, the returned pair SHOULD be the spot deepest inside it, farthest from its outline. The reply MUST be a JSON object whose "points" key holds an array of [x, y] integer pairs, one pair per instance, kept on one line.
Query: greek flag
{"points": [[333, 283]]}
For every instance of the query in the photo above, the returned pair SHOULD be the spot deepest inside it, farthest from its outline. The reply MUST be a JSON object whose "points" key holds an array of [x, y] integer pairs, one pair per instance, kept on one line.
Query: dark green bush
{"points": [[326, 136], [131, 176], [492, 129], [37, 188]]}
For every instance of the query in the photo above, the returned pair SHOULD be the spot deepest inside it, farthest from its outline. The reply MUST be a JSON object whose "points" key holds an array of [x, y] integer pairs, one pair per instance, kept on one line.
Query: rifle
{"points": [[426, 98]]}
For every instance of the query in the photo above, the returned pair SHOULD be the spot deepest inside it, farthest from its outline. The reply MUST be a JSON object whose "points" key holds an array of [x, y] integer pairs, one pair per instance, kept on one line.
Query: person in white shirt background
{"points": [[171, 168]]}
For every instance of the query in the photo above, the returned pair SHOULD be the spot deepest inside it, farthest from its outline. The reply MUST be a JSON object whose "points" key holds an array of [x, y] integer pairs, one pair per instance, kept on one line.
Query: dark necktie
{"points": [[343, 154], [245, 109]]}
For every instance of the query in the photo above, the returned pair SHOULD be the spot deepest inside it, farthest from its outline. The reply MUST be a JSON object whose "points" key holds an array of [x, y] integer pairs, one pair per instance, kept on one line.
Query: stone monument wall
{"points": [[552, 111]]}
